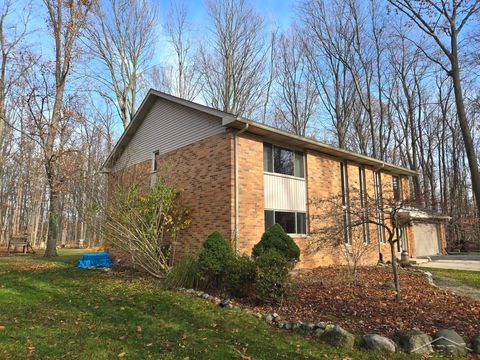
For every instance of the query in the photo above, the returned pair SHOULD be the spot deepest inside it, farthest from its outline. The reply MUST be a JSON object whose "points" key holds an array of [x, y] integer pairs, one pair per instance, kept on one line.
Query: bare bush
{"points": [[146, 224]]}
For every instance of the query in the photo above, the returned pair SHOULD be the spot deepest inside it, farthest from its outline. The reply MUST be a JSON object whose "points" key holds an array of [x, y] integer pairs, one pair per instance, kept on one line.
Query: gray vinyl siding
{"points": [[168, 126]]}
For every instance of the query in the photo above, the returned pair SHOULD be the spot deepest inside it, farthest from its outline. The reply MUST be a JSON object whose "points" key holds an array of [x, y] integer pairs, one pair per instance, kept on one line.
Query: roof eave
{"points": [[305, 143]]}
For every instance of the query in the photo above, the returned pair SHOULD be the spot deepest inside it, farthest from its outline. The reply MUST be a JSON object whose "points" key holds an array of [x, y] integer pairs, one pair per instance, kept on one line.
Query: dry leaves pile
{"points": [[368, 306]]}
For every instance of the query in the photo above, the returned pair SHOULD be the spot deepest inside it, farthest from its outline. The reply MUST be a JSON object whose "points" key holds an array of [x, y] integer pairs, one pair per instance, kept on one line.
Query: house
{"points": [[239, 177]]}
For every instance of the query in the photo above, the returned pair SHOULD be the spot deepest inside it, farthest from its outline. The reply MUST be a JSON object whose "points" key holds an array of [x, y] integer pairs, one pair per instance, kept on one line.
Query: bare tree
{"points": [[184, 80], [122, 38], [66, 21], [297, 96], [327, 39], [443, 21], [233, 66], [351, 236]]}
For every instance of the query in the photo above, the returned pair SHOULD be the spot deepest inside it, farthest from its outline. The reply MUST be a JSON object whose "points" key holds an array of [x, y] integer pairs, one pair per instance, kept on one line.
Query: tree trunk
{"points": [[396, 280], [51, 249], [464, 126]]}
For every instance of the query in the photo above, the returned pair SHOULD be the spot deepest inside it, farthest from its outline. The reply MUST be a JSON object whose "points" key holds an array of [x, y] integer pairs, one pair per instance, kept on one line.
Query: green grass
{"points": [[50, 310], [470, 278]]}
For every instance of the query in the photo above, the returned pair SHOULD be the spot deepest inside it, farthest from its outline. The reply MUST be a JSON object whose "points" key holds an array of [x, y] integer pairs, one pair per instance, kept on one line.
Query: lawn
{"points": [[470, 278], [51, 310]]}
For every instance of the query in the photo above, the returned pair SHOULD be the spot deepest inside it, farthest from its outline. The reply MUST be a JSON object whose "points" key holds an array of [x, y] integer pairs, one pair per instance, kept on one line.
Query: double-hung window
{"points": [[283, 161]]}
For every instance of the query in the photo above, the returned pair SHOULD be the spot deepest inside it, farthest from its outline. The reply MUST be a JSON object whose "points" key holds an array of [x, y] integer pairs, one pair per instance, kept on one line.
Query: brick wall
{"points": [[203, 172], [251, 203]]}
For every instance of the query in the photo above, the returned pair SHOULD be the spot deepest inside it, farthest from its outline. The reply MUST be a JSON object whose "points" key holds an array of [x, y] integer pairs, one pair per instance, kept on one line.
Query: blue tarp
{"points": [[95, 259]]}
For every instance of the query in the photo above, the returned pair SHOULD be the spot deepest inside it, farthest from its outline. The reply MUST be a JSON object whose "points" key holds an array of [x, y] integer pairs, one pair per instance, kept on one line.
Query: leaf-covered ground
{"points": [[52, 310], [368, 306]]}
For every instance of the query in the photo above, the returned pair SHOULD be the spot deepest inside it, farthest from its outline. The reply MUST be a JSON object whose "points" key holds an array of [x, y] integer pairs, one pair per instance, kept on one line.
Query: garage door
{"points": [[426, 239]]}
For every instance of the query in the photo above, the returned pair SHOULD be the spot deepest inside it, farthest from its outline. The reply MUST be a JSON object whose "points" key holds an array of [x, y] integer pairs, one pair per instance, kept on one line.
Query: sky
{"points": [[275, 11]]}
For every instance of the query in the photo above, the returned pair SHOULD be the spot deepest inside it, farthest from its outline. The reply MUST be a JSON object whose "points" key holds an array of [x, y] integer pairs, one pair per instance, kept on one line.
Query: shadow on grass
{"points": [[69, 312]]}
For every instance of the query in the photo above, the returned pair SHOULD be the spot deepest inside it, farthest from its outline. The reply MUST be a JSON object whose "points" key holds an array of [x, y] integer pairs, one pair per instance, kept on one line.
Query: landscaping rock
{"points": [[414, 341], [297, 326], [224, 302], [378, 343], [448, 342], [287, 326], [476, 344], [308, 326], [320, 325], [338, 337], [429, 277], [268, 317]]}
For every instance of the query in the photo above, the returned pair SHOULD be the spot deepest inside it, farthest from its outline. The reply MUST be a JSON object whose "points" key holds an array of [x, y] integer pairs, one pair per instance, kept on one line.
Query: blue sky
{"points": [[277, 12]]}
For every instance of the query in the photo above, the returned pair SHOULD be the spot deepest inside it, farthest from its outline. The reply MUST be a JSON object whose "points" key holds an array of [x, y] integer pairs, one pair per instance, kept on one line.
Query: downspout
{"points": [[235, 151]]}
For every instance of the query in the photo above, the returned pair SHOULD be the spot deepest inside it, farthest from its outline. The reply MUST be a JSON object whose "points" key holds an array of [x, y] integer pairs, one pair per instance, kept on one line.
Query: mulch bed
{"points": [[368, 306]]}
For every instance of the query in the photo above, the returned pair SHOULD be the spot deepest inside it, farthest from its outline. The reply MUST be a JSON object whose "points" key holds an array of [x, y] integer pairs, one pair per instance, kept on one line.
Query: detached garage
{"points": [[427, 232]]}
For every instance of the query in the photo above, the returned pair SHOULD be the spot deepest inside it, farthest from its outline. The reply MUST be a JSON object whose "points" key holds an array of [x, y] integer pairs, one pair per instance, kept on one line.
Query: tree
{"points": [[233, 65], [297, 97], [122, 39], [352, 235], [66, 21], [437, 18], [184, 81]]}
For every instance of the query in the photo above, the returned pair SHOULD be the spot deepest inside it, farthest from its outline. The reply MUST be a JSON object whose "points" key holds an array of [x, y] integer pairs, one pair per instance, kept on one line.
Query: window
{"points": [[346, 216], [379, 204], [155, 159], [267, 157], [283, 161], [292, 222], [397, 190], [363, 204]]}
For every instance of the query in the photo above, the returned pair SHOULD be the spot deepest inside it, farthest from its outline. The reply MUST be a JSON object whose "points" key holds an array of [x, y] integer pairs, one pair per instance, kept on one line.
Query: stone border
{"points": [[336, 336]]}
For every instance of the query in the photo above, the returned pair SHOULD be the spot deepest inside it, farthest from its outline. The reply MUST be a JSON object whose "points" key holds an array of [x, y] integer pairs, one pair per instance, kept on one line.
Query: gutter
{"points": [[235, 151]]}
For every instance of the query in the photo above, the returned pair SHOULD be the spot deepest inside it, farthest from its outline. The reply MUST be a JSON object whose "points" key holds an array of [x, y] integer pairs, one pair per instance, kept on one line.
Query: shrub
{"points": [[214, 258], [276, 238], [272, 284], [240, 277], [145, 223], [186, 274]]}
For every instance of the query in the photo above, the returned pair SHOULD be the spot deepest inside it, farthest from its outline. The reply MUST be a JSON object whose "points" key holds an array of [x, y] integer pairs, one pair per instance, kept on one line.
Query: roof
{"points": [[265, 131]]}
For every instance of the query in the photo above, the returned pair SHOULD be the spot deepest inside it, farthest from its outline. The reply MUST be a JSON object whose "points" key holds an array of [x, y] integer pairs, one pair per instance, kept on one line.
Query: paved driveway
{"points": [[454, 262]]}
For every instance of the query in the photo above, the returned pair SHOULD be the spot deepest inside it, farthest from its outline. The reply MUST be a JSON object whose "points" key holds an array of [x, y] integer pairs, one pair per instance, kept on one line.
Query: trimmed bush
{"points": [[240, 277], [214, 258], [272, 284], [185, 274], [276, 238]]}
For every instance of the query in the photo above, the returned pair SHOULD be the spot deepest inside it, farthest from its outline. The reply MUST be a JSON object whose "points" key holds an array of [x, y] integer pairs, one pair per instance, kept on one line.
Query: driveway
{"points": [[454, 262]]}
